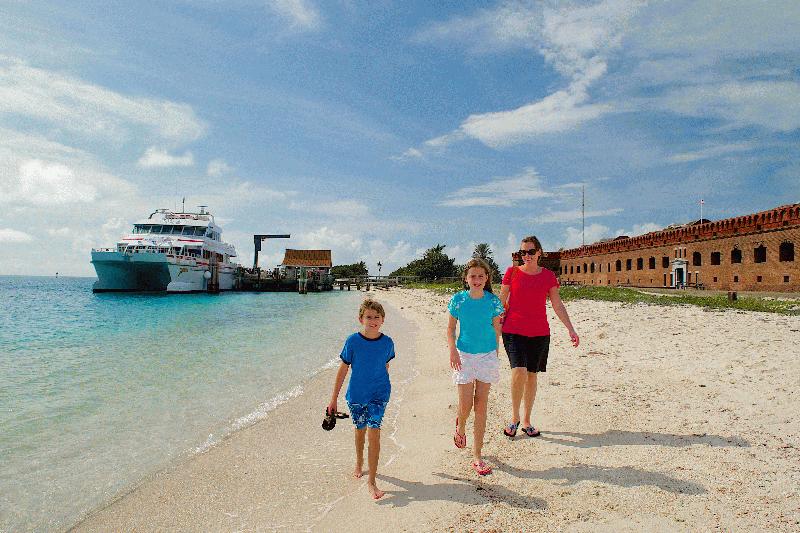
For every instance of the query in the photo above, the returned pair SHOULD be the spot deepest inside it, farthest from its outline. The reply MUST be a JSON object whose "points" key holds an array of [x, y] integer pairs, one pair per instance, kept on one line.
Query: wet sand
{"points": [[664, 419]]}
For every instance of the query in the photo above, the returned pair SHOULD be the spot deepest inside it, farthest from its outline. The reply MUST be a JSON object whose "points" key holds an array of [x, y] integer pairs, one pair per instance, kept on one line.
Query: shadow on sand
{"points": [[637, 438], [623, 476], [469, 491]]}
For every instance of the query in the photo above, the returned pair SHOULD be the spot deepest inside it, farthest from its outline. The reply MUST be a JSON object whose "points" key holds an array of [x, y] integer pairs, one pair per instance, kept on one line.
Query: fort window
{"points": [[628, 264], [736, 255], [760, 254], [736, 279], [591, 267], [697, 259], [619, 265], [585, 270], [652, 262], [715, 279], [665, 262], [786, 279], [715, 258], [786, 251], [758, 279], [609, 268], [639, 263], [571, 270]]}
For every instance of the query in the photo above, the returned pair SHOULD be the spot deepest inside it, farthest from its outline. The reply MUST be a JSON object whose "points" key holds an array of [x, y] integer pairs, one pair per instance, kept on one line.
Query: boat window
{"points": [[188, 230], [137, 229], [199, 232], [176, 230], [156, 229]]}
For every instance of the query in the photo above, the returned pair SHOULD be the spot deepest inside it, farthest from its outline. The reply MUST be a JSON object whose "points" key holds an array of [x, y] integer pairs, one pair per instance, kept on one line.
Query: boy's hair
{"points": [[534, 241], [372, 305], [477, 262]]}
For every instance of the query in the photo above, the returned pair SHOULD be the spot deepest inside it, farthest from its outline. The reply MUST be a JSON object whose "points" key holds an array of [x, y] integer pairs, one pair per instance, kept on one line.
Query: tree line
{"points": [[434, 264]]}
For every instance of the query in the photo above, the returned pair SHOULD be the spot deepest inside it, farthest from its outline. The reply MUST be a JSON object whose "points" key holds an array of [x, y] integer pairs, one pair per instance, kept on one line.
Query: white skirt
{"points": [[481, 366]]}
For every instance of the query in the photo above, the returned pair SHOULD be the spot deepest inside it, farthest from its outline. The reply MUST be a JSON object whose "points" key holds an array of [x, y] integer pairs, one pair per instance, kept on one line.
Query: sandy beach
{"points": [[664, 419]]}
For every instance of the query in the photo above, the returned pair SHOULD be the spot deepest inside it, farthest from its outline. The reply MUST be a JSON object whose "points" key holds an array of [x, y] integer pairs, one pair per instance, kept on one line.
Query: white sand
{"points": [[666, 418]]}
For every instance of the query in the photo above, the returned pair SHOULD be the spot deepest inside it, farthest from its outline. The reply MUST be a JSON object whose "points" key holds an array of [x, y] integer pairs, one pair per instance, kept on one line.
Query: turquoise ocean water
{"points": [[98, 391]]}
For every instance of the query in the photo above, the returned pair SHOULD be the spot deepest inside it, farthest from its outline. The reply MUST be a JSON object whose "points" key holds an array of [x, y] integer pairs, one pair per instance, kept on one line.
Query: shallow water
{"points": [[98, 391]]}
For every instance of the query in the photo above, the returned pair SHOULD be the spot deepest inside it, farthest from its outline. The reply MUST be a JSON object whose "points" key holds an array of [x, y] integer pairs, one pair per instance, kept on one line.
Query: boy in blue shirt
{"points": [[368, 352]]}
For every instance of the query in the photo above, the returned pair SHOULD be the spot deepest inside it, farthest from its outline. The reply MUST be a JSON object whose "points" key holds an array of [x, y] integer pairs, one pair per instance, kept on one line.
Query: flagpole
{"points": [[701, 210]]}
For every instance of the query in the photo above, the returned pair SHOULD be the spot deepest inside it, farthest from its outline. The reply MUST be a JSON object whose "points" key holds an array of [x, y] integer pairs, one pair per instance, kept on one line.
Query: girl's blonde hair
{"points": [[477, 262]]}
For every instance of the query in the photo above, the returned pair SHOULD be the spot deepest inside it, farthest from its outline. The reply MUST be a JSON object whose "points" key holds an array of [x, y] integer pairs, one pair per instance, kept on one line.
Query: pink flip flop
{"points": [[481, 468], [458, 439]]}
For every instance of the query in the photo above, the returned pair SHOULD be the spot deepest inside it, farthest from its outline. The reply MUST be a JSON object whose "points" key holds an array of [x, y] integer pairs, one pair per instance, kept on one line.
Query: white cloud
{"points": [[300, 14], [42, 183], [571, 215], [218, 167], [712, 152], [576, 40], [68, 103], [509, 26], [640, 229], [8, 235], [158, 158], [500, 191], [593, 233], [772, 105], [560, 111]]}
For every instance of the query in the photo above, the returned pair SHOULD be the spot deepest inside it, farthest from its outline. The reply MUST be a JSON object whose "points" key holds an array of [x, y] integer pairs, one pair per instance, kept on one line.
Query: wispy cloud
{"points": [[576, 40], [772, 105], [14, 236], [500, 191], [712, 152], [301, 14], [158, 158], [218, 167], [74, 105]]}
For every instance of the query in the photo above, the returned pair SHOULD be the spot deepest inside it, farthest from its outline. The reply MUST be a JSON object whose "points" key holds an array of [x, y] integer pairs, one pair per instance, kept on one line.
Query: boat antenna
{"points": [[183, 205]]}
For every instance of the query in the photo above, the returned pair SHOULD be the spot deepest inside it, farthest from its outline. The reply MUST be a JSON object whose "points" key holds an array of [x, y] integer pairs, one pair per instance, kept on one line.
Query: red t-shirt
{"points": [[527, 302]]}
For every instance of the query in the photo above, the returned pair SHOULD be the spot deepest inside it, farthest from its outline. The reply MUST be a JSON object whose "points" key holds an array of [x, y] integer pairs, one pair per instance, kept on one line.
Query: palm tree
{"points": [[482, 251]]}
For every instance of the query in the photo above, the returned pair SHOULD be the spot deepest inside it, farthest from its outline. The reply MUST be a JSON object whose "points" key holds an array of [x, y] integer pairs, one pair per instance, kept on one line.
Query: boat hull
{"points": [[153, 272]]}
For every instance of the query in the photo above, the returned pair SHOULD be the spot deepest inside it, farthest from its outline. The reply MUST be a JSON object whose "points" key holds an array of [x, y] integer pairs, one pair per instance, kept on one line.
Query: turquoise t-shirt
{"points": [[475, 332]]}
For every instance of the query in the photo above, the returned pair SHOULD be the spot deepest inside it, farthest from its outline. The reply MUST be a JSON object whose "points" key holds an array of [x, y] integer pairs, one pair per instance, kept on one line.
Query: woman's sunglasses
{"points": [[527, 252]]}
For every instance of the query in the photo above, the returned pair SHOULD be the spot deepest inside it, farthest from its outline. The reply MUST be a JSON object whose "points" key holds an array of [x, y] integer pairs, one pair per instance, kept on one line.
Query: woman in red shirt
{"points": [[526, 333]]}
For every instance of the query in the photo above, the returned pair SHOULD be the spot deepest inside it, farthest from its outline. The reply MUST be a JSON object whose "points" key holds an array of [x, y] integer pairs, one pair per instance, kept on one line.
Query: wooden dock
{"points": [[371, 282]]}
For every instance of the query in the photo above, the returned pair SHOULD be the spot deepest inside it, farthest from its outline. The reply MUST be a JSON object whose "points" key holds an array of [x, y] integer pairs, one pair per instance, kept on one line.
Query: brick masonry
{"points": [[767, 242]]}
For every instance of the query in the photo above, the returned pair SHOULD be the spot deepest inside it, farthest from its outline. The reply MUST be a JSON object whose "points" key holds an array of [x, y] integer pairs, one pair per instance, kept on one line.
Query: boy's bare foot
{"points": [[358, 472], [377, 493]]}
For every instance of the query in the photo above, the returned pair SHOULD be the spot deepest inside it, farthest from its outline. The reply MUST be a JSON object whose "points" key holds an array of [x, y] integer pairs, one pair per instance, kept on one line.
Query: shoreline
{"points": [[666, 418]]}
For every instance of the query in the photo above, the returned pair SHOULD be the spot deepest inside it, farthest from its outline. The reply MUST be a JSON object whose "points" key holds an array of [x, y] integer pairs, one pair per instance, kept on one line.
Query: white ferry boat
{"points": [[172, 252]]}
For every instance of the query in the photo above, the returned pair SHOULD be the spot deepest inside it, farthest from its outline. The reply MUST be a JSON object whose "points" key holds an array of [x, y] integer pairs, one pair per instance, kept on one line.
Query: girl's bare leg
{"points": [[373, 455], [481, 403], [466, 393]]}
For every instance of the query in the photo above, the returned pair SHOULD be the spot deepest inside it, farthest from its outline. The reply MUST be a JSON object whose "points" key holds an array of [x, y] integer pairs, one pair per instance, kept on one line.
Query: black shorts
{"points": [[528, 352]]}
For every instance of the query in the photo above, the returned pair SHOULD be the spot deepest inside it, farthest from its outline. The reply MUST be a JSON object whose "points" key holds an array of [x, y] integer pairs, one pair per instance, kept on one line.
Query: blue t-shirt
{"points": [[475, 333], [369, 379]]}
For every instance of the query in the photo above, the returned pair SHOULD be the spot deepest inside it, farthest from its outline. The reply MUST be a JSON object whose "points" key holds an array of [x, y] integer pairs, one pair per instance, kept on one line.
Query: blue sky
{"points": [[379, 129]]}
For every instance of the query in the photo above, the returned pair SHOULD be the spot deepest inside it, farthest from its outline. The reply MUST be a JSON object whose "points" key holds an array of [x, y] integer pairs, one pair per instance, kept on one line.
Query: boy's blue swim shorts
{"points": [[367, 414]]}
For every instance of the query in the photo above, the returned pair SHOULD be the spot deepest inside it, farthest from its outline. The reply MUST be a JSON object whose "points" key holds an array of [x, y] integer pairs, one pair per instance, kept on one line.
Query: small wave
{"points": [[261, 412], [248, 420]]}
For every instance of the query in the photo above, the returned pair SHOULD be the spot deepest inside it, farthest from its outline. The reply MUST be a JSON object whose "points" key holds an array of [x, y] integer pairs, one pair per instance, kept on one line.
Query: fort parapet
{"points": [[747, 253]]}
